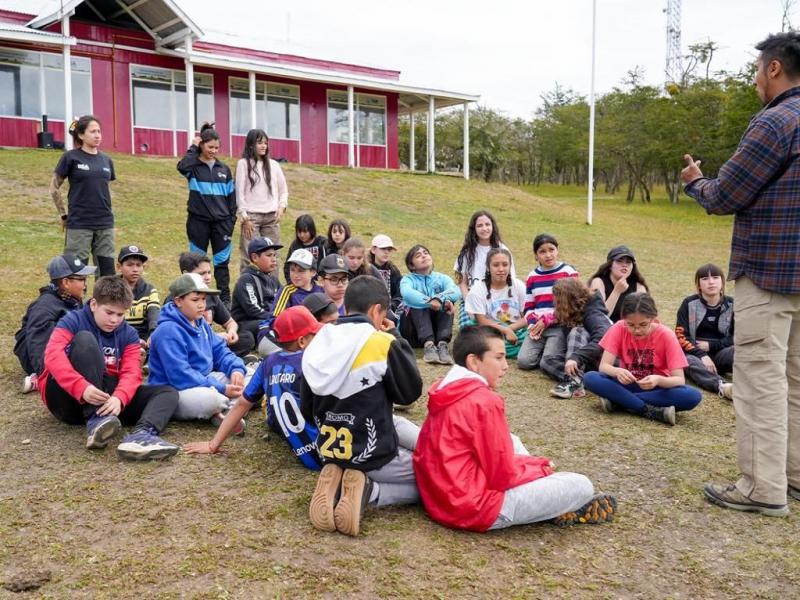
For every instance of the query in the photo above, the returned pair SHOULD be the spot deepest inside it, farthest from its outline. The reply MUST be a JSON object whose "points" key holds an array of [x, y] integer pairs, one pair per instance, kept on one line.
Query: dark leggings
{"points": [[432, 325], [634, 398], [152, 405]]}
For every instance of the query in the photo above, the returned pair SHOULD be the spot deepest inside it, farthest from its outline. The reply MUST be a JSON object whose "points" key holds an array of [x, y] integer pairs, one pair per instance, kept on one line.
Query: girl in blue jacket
{"points": [[186, 354], [430, 299]]}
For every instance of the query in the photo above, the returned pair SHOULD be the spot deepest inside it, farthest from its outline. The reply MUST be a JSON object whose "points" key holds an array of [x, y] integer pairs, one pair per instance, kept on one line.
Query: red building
{"points": [[142, 68]]}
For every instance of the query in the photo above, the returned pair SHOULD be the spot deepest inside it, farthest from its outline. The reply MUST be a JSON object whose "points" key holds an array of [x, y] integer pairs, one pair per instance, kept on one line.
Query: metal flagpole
{"points": [[591, 120]]}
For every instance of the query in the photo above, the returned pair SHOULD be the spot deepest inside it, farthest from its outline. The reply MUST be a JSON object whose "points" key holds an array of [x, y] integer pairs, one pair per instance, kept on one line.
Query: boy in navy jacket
{"points": [[92, 375]]}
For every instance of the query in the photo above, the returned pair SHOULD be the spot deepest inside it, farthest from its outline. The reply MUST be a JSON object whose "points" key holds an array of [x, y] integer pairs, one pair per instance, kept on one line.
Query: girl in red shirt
{"points": [[642, 366]]}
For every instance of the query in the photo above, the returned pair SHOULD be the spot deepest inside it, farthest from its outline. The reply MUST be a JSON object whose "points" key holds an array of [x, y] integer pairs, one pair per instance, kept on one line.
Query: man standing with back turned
{"points": [[760, 184]]}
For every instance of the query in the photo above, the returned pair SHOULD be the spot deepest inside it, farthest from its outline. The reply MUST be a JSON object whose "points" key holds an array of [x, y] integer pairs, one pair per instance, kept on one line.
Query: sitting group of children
{"points": [[331, 353]]}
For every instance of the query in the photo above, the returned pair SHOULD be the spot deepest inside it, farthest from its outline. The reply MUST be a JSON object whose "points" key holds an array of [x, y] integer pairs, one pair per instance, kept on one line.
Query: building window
{"points": [[159, 95], [370, 118], [32, 84], [277, 108]]}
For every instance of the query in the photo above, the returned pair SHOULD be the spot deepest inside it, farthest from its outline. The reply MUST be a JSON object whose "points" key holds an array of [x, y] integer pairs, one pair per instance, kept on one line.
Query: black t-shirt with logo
{"points": [[89, 196], [708, 328]]}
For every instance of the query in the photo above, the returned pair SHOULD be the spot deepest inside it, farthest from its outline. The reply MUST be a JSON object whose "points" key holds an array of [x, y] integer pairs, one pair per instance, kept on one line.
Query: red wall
{"points": [[111, 100]]}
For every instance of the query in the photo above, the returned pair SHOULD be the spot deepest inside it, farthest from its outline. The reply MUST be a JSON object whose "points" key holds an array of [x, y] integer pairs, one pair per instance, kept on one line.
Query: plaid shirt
{"points": [[760, 184]]}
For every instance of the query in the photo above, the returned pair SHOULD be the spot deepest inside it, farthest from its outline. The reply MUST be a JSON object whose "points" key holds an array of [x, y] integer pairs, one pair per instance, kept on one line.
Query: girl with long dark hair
{"points": [[261, 193]]}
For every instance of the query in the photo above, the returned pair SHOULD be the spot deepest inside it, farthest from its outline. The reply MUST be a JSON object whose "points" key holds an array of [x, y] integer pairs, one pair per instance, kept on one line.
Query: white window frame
{"points": [[357, 141], [262, 87]]}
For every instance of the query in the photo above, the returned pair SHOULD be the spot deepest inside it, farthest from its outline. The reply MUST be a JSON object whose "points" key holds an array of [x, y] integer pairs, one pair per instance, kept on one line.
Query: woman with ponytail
{"points": [[88, 219], [261, 193], [212, 204]]}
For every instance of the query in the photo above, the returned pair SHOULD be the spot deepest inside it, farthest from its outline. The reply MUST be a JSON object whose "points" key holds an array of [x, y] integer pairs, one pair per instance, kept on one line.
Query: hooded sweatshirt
{"points": [[183, 355], [464, 460], [352, 374]]}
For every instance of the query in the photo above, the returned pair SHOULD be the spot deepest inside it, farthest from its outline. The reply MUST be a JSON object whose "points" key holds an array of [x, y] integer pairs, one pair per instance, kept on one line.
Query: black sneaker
{"points": [[665, 414], [569, 388], [356, 489], [600, 509], [145, 444]]}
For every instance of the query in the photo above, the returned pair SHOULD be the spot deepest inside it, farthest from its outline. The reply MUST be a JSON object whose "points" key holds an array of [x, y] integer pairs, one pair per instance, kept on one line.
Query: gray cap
{"points": [[333, 263], [618, 252], [68, 265], [188, 283]]}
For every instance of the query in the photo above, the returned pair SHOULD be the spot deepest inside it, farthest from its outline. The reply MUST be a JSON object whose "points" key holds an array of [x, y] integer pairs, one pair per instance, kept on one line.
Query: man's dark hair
{"points": [[473, 339], [365, 291], [783, 47], [112, 290], [189, 261]]}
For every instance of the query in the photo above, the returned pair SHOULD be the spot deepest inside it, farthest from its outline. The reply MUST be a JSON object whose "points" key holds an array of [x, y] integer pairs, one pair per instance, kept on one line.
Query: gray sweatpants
{"points": [[544, 498], [202, 402], [553, 341], [396, 481]]}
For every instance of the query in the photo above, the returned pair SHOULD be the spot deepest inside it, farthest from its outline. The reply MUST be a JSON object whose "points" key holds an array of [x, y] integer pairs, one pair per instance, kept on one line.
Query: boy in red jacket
{"points": [[472, 473], [92, 375]]}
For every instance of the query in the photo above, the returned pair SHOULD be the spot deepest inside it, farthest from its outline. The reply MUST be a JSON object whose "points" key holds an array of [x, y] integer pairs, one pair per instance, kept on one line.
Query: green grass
{"points": [[236, 525]]}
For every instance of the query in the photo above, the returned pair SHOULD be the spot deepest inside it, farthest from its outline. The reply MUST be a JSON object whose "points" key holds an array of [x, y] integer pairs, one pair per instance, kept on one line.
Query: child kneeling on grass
{"points": [[186, 354], [471, 471], [92, 375], [649, 379], [280, 377], [354, 370]]}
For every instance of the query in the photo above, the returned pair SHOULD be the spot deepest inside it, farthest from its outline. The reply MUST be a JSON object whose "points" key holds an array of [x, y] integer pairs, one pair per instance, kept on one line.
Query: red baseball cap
{"points": [[294, 323]]}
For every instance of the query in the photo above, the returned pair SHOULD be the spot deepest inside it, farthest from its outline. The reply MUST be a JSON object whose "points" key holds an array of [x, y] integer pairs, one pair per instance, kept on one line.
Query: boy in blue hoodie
{"points": [[430, 298], [186, 354]]}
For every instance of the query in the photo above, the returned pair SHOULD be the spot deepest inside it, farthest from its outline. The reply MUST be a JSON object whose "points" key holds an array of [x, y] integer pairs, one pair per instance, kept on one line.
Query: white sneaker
{"points": [[30, 383], [726, 390]]}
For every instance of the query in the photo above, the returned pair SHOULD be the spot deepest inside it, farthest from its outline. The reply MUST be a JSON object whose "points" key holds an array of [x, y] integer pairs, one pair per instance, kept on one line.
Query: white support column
{"points": [[67, 58], [466, 140], [190, 120], [431, 141], [412, 159], [253, 117], [351, 128]]}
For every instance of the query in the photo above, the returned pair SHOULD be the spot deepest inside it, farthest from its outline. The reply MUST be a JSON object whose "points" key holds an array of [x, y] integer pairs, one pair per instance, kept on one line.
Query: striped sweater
{"points": [[539, 292]]}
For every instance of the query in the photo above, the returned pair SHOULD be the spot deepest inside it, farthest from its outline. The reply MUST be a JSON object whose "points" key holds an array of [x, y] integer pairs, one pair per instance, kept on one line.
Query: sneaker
{"points": [[429, 354], [144, 444], [251, 359], [793, 492], [30, 383], [726, 390], [356, 490], [665, 414], [569, 388], [101, 429], [321, 509], [728, 496], [600, 509], [444, 354], [606, 405], [217, 419]]}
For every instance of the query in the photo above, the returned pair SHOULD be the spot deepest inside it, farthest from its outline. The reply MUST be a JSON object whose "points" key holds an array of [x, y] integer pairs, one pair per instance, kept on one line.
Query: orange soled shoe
{"points": [[600, 509], [320, 511], [356, 490]]}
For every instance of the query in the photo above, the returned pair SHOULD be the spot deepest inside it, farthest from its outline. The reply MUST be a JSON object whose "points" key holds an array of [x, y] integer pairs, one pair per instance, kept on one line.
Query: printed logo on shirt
{"points": [[641, 363], [107, 170], [222, 175], [82, 166], [333, 417]]}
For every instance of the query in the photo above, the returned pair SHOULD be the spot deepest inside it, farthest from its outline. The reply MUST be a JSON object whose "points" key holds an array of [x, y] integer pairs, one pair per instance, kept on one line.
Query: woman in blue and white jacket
{"points": [[430, 299]]}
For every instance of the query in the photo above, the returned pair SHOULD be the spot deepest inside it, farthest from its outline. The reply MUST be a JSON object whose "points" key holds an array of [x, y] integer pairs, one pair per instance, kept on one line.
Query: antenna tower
{"points": [[674, 69]]}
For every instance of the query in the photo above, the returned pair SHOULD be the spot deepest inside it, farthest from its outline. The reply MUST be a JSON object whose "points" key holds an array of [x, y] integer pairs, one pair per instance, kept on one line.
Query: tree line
{"points": [[641, 133]]}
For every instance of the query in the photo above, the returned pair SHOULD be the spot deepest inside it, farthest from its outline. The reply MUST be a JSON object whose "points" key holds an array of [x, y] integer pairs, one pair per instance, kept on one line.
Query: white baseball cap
{"points": [[303, 258], [383, 241]]}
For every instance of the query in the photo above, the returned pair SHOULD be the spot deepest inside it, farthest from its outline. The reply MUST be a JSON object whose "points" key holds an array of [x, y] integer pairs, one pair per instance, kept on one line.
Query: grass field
{"points": [[83, 524]]}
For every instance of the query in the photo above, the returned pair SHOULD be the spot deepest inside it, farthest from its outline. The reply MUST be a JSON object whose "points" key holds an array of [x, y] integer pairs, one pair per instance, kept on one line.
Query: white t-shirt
{"points": [[498, 306], [479, 266]]}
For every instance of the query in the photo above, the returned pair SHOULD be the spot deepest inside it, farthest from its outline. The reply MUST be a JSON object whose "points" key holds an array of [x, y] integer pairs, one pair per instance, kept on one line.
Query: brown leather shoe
{"points": [[729, 496]]}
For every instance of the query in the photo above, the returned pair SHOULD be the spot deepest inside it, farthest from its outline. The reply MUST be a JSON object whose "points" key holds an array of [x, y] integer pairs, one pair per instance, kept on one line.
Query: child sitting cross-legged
{"points": [[472, 473], [92, 376], [186, 354], [279, 377], [353, 371]]}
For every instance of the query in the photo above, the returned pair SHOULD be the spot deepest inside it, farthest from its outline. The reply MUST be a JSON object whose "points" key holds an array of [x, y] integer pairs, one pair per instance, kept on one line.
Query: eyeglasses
{"points": [[336, 280], [77, 277]]}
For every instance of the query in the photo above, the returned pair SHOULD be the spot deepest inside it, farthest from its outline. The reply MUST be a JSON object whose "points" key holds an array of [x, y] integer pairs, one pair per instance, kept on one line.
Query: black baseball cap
{"points": [[333, 263], [128, 251], [317, 303], [260, 244], [68, 265], [618, 252]]}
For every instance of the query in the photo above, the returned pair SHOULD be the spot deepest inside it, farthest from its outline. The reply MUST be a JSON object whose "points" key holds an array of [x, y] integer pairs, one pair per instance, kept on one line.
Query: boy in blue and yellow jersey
{"points": [[143, 313], [279, 377], [354, 371]]}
